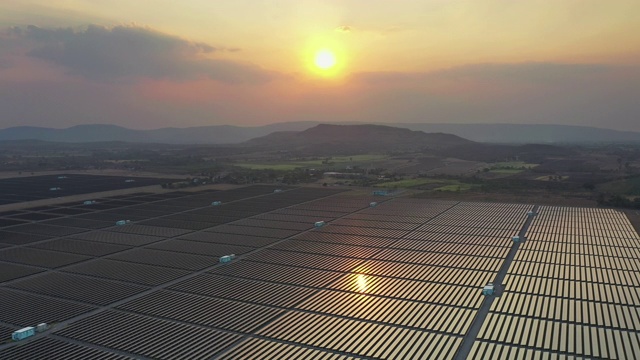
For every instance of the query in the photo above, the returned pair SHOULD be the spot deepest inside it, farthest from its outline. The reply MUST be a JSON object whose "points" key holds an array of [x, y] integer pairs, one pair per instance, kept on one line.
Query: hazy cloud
{"points": [[557, 93], [38, 94], [344, 29], [392, 29], [529, 71], [510, 72], [14, 30], [125, 52], [5, 64]]}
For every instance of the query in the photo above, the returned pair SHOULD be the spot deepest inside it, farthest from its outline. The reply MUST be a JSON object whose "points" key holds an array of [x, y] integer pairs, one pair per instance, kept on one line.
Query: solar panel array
{"points": [[21, 189], [401, 280], [572, 291]]}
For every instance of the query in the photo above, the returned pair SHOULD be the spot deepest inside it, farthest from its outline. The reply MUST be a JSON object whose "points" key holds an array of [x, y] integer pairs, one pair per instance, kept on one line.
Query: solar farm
{"points": [[317, 274], [17, 190]]}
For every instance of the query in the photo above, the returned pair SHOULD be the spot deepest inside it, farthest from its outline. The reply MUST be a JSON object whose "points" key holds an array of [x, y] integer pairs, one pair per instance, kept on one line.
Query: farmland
{"points": [[328, 162]]}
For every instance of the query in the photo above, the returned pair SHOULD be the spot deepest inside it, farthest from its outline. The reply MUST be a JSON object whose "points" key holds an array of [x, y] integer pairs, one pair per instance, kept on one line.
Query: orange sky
{"points": [[198, 62]]}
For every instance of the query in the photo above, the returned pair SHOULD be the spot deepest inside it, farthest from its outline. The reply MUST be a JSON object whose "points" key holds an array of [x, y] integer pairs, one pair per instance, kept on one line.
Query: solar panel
{"points": [[400, 280]]}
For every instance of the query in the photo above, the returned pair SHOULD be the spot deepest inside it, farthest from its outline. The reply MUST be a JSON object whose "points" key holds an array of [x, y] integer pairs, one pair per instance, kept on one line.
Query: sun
{"points": [[325, 59]]}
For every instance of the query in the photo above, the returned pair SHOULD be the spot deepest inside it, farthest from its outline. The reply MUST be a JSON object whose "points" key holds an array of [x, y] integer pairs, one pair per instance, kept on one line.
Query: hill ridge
{"points": [[231, 134], [360, 138]]}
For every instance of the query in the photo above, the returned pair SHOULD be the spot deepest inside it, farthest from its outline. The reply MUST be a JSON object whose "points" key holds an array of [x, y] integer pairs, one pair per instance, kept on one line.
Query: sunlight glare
{"points": [[325, 59], [361, 280]]}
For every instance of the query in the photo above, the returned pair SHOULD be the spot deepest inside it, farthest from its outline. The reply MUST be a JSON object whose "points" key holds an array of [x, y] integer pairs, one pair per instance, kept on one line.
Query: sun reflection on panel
{"points": [[361, 281]]}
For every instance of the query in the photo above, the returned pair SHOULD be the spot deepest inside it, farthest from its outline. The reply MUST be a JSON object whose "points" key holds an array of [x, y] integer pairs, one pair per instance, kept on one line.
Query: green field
{"points": [[442, 184], [506, 171], [361, 160], [546, 178], [456, 187], [408, 183], [629, 187], [265, 166], [358, 158], [512, 165]]}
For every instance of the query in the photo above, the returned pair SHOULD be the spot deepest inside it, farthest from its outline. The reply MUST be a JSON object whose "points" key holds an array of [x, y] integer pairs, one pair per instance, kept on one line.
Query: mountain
{"points": [[228, 134], [533, 153], [326, 139], [217, 134], [329, 138], [529, 133], [80, 133]]}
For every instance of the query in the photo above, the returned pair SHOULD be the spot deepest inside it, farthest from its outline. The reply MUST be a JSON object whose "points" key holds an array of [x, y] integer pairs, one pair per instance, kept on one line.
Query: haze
{"points": [[151, 64]]}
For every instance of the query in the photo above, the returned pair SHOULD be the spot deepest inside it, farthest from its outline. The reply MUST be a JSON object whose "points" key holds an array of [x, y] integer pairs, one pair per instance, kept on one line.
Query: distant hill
{"points": [[228, 134], [354, 139], [528, 133], [329, 138], [218, 134], [322, 139], [534, 153]]}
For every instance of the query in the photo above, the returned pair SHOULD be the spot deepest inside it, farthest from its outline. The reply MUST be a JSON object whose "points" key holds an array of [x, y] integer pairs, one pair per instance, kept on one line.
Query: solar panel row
{"points": [[401, 280], [572, 290], [379, 303], [15, 190], [123, 259]]}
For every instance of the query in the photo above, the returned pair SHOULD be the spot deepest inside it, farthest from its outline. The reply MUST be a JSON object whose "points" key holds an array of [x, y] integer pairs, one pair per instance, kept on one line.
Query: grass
{"points": [[510, 167], [359, 158], [408, 183], [629, 187], [456, 187], [555, 178], [277, 166], [512, 164], [333, 161], [445, 185], [506, 171]]}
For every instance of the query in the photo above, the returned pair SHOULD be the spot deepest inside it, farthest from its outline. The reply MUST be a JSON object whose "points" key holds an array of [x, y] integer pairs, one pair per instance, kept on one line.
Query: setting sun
{"points": [[325, 59]]}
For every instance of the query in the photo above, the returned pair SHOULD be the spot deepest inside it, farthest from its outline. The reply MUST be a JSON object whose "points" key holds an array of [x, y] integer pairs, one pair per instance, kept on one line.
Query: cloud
{"points": [[527, 72], [129, 52], [562, 93], [392, 29], [5, 63], [375, 30], [344, 29]]}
